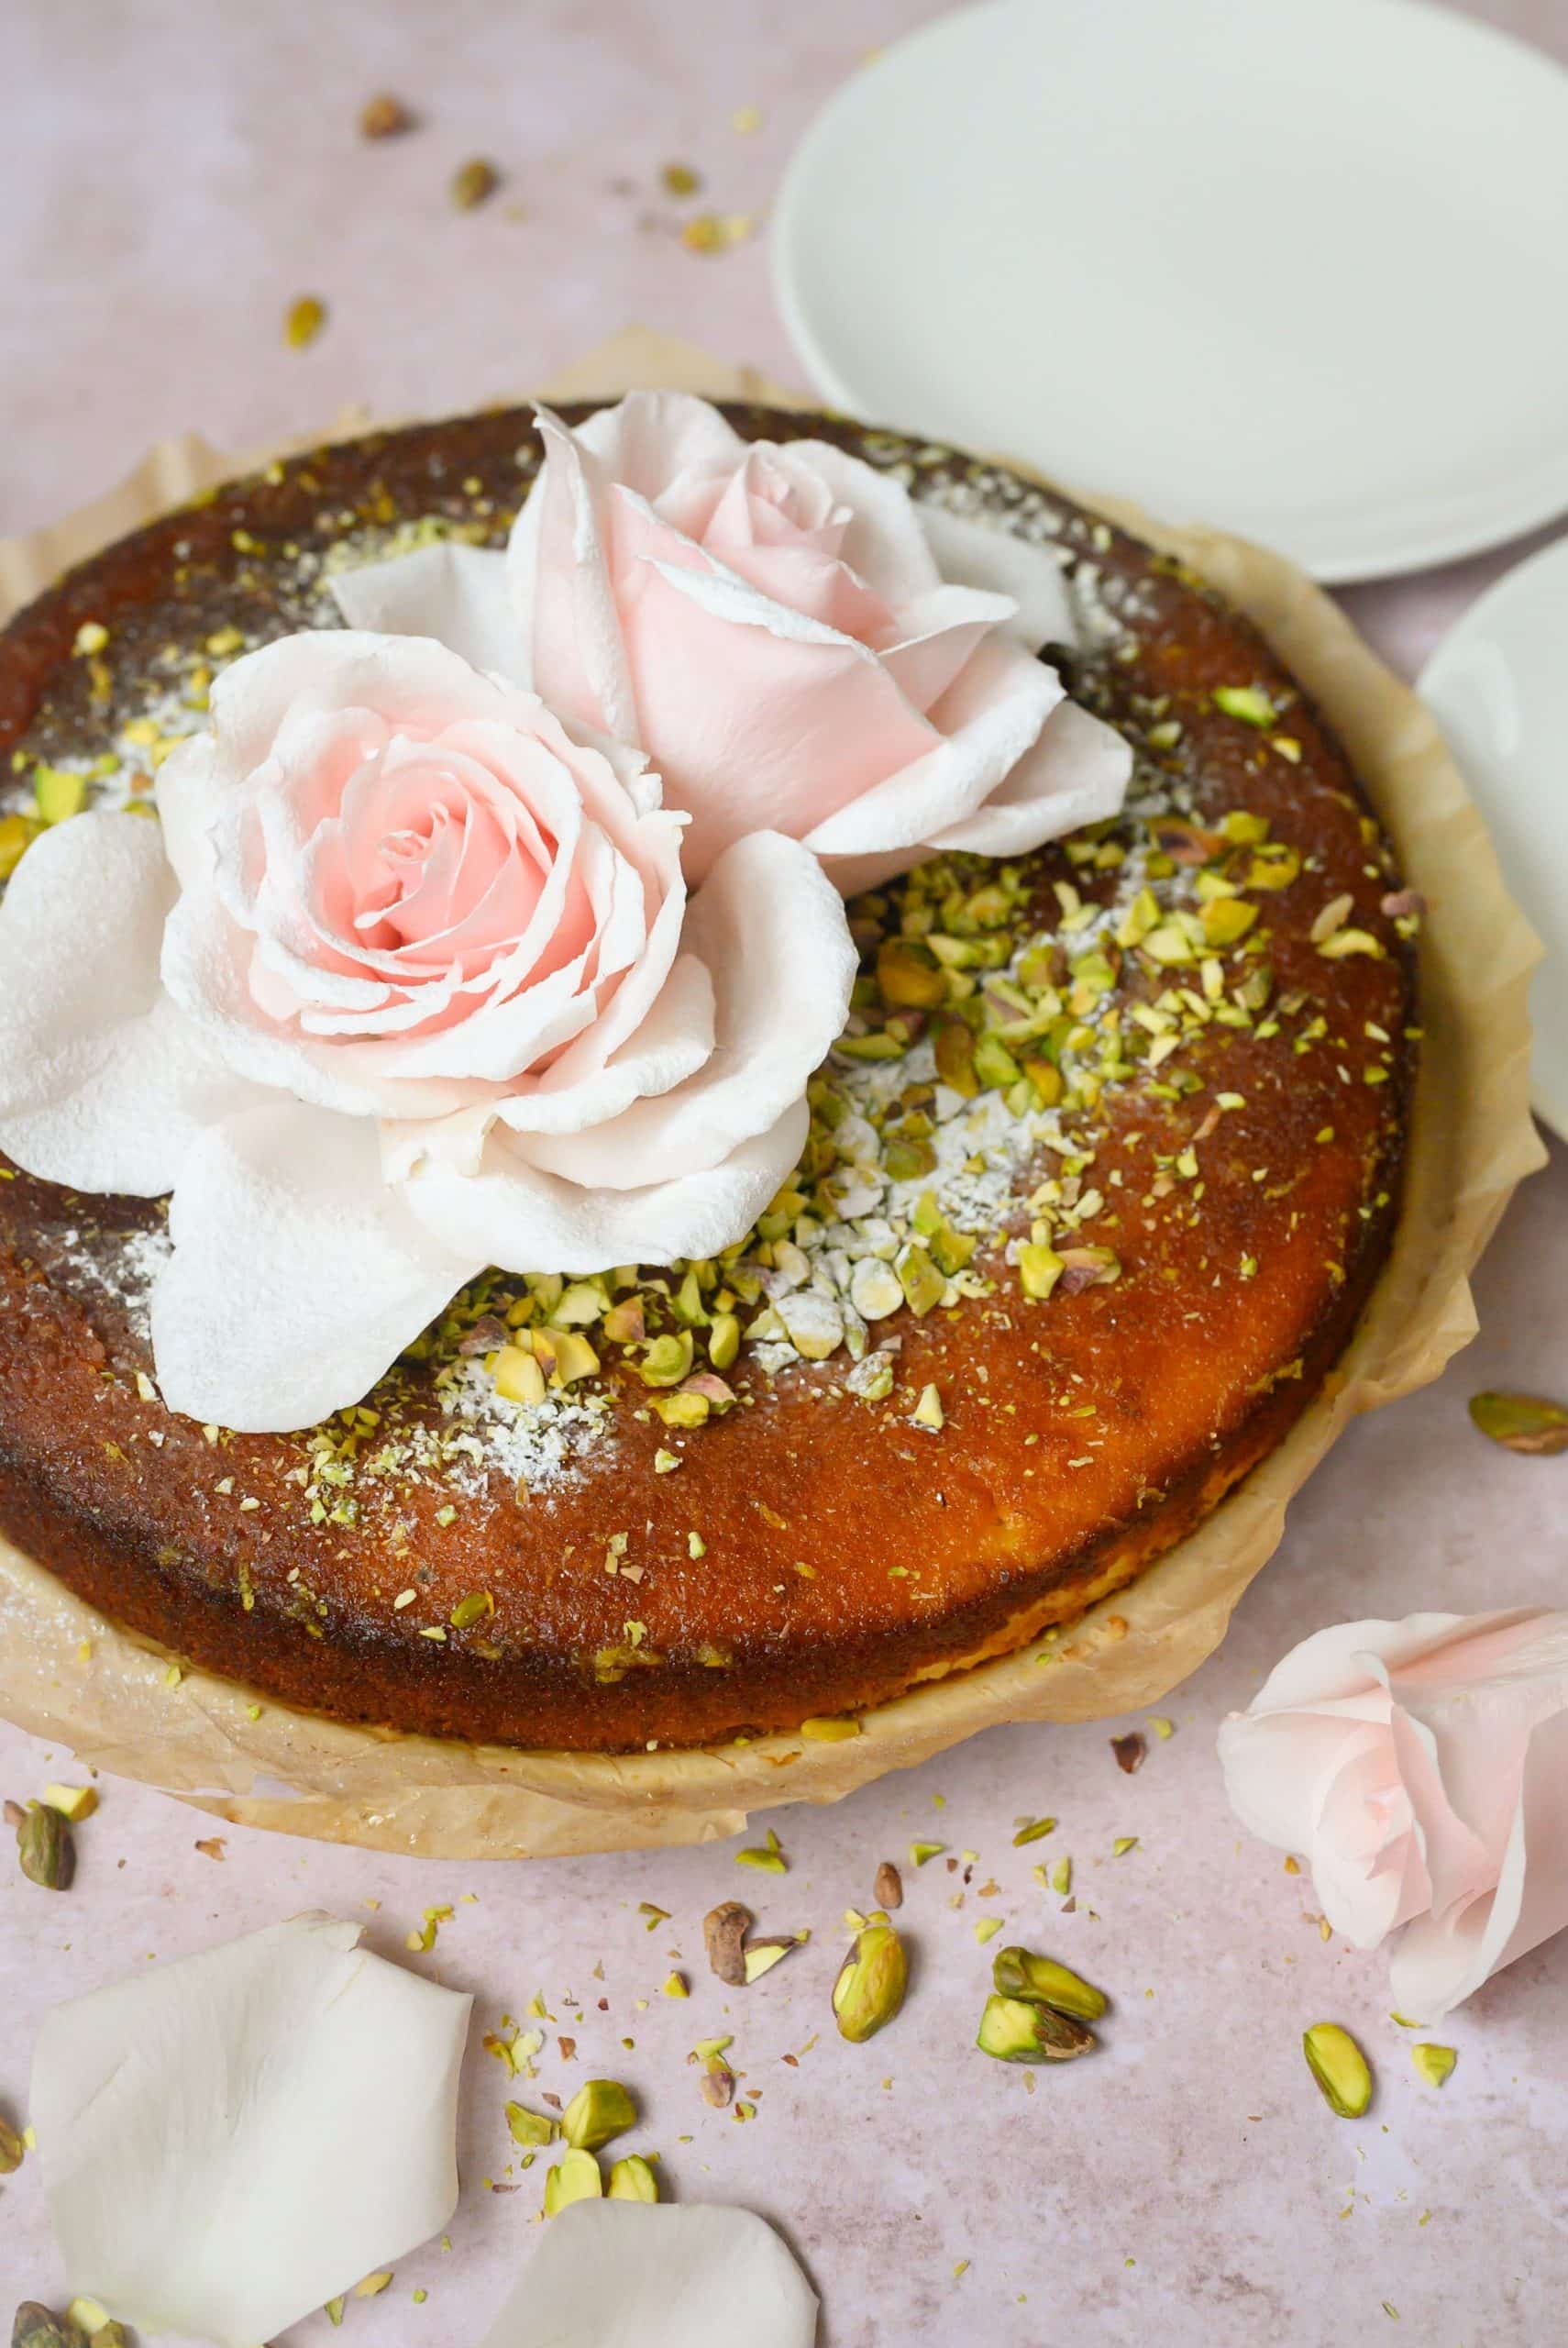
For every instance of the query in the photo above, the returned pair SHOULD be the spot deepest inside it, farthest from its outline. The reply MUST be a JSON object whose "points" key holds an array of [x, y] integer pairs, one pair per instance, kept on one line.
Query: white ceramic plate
{"points": [[1498, 687], [1295, 267]]}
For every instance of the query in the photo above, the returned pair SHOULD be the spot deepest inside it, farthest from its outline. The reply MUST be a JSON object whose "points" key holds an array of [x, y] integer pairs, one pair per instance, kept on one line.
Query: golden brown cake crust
{"points": [[845, 1551]]}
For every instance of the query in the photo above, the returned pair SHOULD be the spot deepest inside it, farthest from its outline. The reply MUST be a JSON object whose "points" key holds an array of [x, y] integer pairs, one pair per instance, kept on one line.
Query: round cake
{"points": [[1097, 1180]]}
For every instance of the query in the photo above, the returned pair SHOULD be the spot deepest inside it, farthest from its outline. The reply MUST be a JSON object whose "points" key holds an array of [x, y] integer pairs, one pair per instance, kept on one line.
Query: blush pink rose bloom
{"points": [[407, 983], [796, 644], [1421, 1769]]}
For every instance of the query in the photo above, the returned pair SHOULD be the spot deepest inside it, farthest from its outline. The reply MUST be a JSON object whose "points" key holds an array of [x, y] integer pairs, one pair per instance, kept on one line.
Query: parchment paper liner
{"points": [[1471, 1140]]}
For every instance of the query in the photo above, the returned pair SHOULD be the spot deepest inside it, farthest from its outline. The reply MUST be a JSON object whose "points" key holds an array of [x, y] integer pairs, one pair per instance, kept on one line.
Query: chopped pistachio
{"points": [[1249, 703], [922, 1284], [474, 1608], [1015, 2030], [889, 1886], [724, 1929], [1122, 1845], [1034, 1831], [574, 2177], [1062, 1878], [769, 1860], [373, 2285], [35, 2327], [680, 179], [633, 2179], [46, 1853], [531, 2129], [304, 321], [1019, 1972], [474, 183], [761, 1956], [13, 2150], [58, 794], [928, 1412], [667, 1359], [1161, 1727], [384, 117], [871, 1983], [601, 2109], [718, 2082], [1434, 2062], [680, 1410], [1340, 2067], [518, 1377], [921, 1852], [75, 1802], [1527, 1423], [677, 1987], [988, 1927], [1038, 1269]]}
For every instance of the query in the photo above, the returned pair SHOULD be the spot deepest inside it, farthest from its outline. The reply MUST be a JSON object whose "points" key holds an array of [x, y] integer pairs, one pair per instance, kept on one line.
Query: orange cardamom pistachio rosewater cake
{"points": [[1096, 1181]]}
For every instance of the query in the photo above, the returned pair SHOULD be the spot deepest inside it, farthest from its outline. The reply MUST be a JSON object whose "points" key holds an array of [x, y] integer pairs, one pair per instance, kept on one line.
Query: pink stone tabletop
{"points": [[171, 177]]}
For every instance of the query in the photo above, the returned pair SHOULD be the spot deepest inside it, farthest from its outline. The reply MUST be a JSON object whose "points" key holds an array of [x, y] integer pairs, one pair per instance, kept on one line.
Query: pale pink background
{"points": [[170, 177]]}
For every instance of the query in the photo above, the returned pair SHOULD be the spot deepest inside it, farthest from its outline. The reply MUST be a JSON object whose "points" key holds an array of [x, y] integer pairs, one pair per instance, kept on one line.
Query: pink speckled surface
{"points": [[170, 177]]}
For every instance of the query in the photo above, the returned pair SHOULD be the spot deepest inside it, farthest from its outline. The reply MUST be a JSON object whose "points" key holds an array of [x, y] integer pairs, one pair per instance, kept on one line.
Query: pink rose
{"points": [[1421, 1767], [407, 984], [796, 645]]}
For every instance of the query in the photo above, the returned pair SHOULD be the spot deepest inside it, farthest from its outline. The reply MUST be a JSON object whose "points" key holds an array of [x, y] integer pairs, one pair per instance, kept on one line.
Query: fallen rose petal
{"points": [[631, 2275], [230, 2140]]}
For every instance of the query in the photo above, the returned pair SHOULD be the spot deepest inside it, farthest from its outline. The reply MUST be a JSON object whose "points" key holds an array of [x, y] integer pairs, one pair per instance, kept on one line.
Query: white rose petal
{"points": [[631, 2274], [230, 2140]]}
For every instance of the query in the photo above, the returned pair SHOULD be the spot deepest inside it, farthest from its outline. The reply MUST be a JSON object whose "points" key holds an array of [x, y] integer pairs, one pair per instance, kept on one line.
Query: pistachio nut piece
{"points": [[35, 2327], [871, 1983], [601, 2109], [45, 1851], [1019, 1972], [1522, 1422], [1016, 2030], [724, 1929], [530, 2128], [13, 2150], [1338, 2064], [633, 2180], [1434, 2062], [575, 2177]]}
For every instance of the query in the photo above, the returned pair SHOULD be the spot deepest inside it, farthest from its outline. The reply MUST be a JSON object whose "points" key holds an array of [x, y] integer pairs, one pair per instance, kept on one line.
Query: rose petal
{"points": [[104, 1084], [631, 2274], [297, 1275], [1442, 1960], [229, 2139], [559, 575], [770, 929], [1001, 709], [513, 1214], [985, 554], [885, 541], [456, 593]]}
